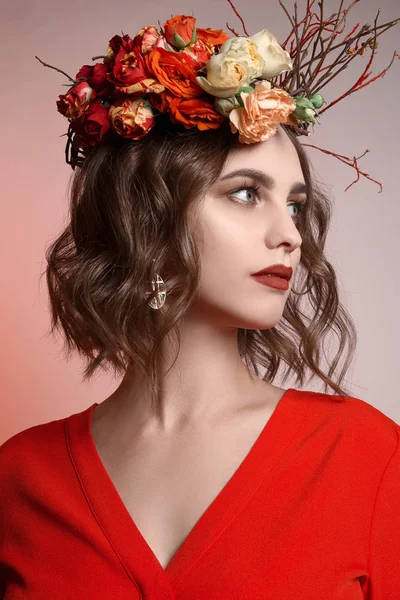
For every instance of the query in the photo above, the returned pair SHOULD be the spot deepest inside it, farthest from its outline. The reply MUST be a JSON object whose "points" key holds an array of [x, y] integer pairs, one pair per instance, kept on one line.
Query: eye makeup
{"points": [[300, 203]]}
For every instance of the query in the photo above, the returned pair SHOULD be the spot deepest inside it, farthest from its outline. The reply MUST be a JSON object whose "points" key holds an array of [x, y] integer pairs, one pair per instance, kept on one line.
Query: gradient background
{"points": [[37, 383]]}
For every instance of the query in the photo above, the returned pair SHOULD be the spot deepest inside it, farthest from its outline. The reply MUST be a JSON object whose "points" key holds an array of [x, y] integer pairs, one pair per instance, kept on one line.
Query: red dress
{"points": [[312, 513]]}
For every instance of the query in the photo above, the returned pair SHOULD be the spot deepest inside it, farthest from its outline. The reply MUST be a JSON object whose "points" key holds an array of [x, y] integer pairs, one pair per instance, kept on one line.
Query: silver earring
{"points": [[158, 284]]}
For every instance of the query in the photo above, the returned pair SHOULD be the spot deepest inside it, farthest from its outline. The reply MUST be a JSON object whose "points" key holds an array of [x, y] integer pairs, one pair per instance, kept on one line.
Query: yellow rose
{"points": [[264, 110], [236, 64], [275, 58], [132, 118]]}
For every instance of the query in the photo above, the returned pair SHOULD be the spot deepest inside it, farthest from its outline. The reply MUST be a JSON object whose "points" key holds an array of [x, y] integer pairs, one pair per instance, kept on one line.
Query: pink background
{"points": [[37, 384]]}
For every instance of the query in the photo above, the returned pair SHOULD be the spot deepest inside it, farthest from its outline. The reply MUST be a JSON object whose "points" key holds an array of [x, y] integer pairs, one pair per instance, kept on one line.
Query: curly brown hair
{"points": [[129, 204]]}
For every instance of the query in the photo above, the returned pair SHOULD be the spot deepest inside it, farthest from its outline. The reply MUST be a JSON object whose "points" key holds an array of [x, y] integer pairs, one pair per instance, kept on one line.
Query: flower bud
{"points": [[305, 110], [180, 31], [225, 105], [317, 100]]}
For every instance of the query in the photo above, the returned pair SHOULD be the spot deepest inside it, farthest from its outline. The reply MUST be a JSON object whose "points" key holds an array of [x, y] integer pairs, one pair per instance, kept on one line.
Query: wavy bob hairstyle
{"points": [[129, 205]]}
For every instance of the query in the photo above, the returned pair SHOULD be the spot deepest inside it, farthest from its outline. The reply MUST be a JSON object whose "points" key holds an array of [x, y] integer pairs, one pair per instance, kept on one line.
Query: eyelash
{"points": [[255, 188]]}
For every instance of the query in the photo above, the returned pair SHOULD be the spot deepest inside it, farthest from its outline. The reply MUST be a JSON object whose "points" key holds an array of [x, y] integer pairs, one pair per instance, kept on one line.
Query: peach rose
{"points": [[264, 109]]}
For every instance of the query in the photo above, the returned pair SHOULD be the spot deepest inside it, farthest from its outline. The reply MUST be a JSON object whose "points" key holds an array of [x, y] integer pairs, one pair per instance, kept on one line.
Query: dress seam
{"points": [[70, 454]]}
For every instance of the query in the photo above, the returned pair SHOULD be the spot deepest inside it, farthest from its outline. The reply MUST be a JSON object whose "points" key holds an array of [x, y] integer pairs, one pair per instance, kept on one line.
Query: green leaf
{"points": [[247, 89]]}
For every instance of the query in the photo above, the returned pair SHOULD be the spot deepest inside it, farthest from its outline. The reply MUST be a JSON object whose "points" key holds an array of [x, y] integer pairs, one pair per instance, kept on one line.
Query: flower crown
{"points": [[201, 77]]}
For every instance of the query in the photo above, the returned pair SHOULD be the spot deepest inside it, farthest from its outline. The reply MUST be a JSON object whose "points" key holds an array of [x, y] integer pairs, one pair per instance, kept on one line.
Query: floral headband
{"points": [[201, 77]]}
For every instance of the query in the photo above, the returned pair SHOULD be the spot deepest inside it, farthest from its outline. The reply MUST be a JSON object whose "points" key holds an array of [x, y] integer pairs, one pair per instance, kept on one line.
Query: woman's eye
{"points": [[301, 207], [249, 190], [253, 190], [298, 206]]}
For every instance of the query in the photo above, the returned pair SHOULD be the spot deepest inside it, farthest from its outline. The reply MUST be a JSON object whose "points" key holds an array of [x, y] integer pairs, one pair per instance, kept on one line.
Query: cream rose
{"points": [[236, 64], [264, 109], [275, 58]]}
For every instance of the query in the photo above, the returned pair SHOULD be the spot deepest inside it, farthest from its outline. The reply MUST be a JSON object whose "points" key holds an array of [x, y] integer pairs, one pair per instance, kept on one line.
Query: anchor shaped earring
{"points": [[159, 300]]}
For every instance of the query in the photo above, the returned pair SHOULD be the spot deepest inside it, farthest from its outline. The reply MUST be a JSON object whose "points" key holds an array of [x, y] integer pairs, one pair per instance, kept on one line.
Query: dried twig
{"points": [[322, 35], [59, 70], [238, 15], [311, 40], [318, 40], [351, 162]]}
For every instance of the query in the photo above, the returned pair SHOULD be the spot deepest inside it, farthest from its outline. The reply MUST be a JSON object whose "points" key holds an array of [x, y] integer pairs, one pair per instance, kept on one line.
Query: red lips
{"points": [[278, 270]]}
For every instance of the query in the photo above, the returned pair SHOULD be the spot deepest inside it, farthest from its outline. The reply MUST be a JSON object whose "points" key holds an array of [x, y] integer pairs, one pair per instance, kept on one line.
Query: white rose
{"points": [[236, 64], [275, 58]]}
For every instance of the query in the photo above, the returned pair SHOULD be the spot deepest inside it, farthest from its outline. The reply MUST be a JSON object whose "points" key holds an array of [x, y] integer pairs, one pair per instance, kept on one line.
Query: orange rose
{"points": [[264, 109], [180, 30], [161, 101], [173, 72], [215, 37], [195, 113]]}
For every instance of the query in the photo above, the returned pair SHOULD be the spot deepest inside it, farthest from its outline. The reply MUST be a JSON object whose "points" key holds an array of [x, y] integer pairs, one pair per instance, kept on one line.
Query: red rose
{"points": [[76, 101], [93, 124], [128, 73], [96, 78]]}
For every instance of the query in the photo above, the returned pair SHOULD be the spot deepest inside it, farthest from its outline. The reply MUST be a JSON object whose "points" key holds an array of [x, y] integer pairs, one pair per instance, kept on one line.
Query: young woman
{"points": [[199, 478]]}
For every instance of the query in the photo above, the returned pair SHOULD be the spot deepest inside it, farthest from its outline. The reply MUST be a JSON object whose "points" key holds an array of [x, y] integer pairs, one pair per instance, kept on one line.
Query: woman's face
{"points": [[240, 231]]}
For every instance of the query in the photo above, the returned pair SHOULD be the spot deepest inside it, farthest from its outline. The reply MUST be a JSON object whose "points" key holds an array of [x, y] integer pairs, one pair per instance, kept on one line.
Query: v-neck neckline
{"points": [[137, 557]]}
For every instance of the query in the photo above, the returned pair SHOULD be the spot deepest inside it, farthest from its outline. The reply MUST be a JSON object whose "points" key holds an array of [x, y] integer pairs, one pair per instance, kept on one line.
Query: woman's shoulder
{"points": [[354, 417], [32, 437], [30, 448]]}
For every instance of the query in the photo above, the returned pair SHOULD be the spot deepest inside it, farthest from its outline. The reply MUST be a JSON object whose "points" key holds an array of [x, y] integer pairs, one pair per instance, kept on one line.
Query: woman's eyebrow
{"points": [[266, 180]]}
